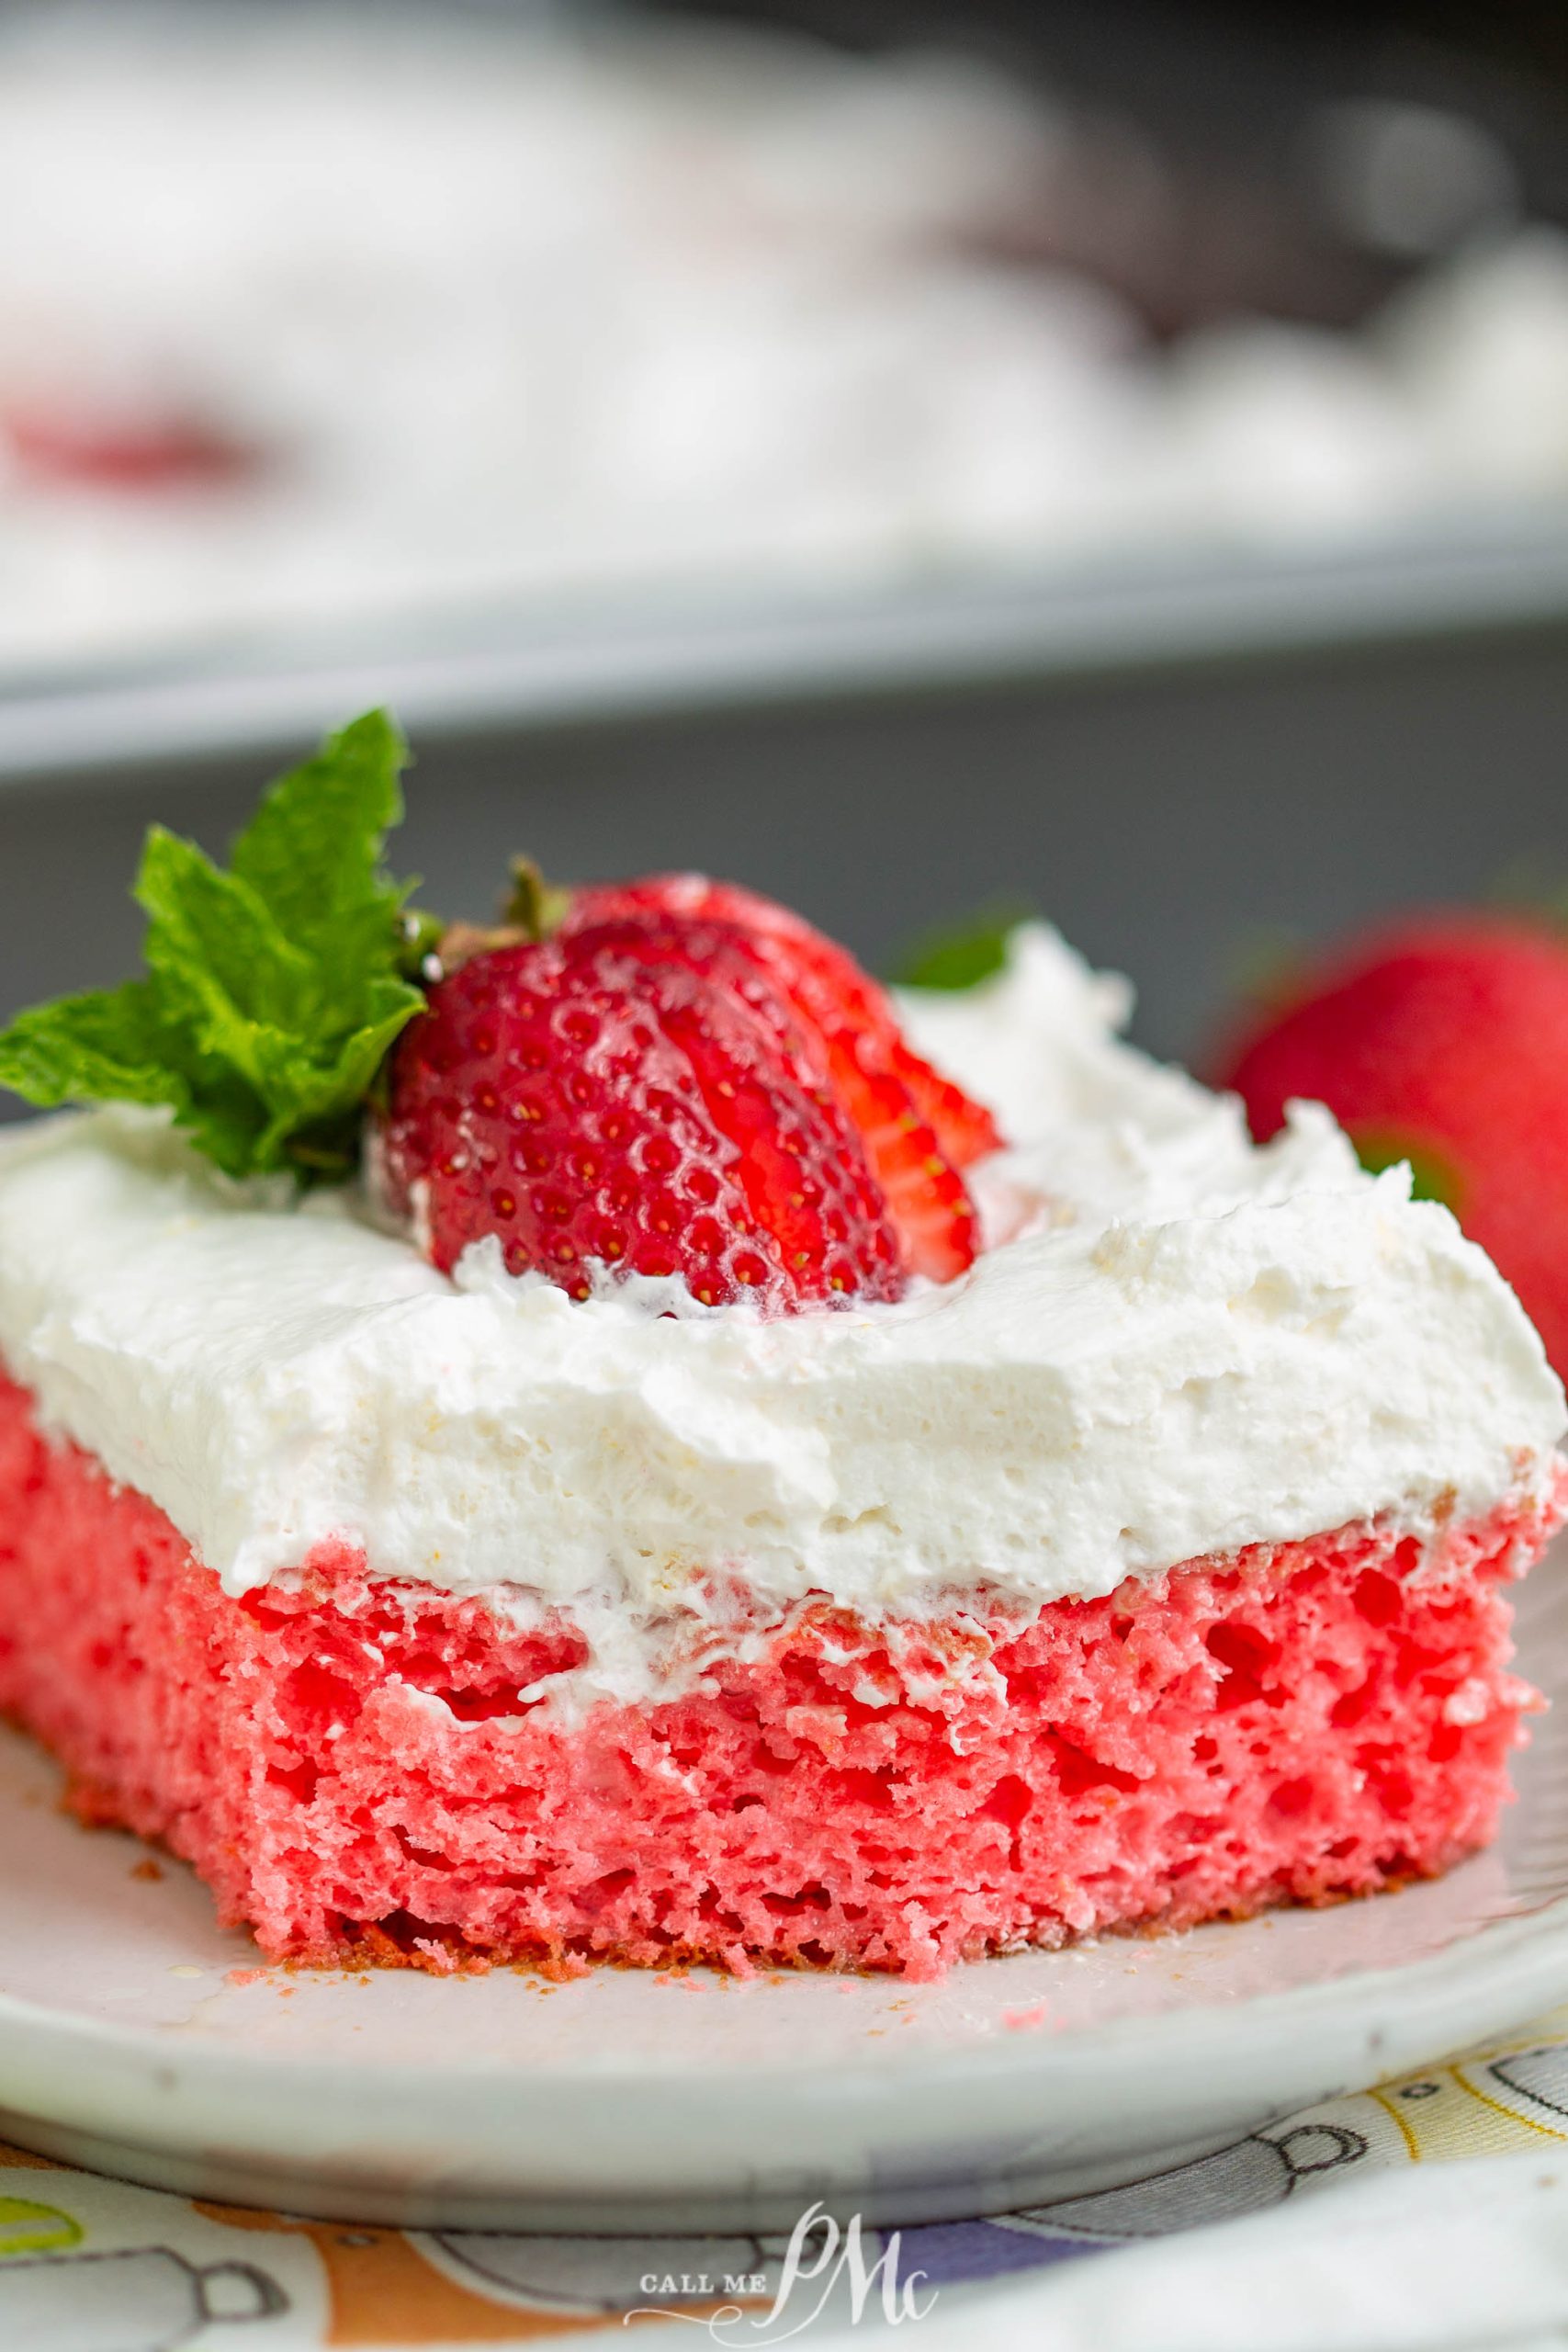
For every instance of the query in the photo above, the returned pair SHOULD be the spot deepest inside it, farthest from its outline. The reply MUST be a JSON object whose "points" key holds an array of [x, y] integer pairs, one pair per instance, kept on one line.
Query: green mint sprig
{"points": [[272, 990]]}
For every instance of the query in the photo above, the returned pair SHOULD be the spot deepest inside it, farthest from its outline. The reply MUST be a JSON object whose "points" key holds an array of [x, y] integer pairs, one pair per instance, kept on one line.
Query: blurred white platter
{"points": [[519, 665], [136, 2038]]}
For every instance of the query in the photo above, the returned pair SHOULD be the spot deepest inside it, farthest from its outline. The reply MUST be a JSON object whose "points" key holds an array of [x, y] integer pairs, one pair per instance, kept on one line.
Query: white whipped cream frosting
{"points": [[1178, 1343]]}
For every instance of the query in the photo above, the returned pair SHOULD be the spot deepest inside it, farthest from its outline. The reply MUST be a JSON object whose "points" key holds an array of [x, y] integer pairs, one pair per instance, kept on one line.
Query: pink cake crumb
{"points": [[347, 1762]]}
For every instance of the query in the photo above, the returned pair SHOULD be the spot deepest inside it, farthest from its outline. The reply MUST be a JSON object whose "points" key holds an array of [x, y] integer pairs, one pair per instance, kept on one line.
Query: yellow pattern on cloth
{"points": [[100, 2265]]}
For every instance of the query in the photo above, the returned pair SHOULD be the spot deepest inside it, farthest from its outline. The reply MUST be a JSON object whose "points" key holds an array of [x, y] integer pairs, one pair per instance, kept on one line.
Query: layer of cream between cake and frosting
{"points": [[1178, 1343]]}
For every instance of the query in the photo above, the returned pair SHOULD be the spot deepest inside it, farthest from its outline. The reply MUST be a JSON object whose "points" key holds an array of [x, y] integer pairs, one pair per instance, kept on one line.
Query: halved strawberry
{"points": [[919, 1128], [583, 1102]]}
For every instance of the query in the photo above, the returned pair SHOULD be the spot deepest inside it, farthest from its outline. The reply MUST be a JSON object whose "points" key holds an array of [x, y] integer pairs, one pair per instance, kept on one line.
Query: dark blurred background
{"points": [[1329, 677]]}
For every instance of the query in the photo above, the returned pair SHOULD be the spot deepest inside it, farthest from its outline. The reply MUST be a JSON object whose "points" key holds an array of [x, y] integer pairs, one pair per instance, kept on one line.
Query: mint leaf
{"points": [[213, 947], [311, 853], [105, 1046], [962, 954], [273, 989]]}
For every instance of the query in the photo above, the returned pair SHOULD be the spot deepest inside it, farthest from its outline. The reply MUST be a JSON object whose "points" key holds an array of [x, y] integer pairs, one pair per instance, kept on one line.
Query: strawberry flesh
{"points": [[582, 1104], [920, 1129]]}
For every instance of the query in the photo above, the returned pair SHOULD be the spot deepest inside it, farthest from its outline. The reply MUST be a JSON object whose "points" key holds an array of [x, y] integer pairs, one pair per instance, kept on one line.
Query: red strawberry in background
{"points": [[1443, 1040], [70, 446], [677, 1078]]}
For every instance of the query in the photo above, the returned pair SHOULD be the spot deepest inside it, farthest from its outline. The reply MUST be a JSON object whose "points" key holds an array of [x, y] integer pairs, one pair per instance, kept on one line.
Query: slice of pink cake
{"points": [[605, 1436], [346, 1760]]}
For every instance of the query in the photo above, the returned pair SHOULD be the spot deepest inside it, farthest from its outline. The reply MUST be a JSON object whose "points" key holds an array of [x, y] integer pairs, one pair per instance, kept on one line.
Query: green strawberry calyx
{"points": [[1433, 1175], [962, 954]]}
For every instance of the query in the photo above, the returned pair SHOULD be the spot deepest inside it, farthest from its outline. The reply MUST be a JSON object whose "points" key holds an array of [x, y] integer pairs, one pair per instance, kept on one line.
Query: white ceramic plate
{"points": [[136, 2038]]}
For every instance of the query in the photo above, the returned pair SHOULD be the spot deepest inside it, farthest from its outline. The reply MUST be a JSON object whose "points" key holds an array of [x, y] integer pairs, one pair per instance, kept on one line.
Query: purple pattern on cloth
{"points": [[949, 2253]]}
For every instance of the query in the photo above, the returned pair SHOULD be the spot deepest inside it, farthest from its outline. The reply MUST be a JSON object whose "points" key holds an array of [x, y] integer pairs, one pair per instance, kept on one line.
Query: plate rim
{"points": [[982, 2118], [1528, 1939]]}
